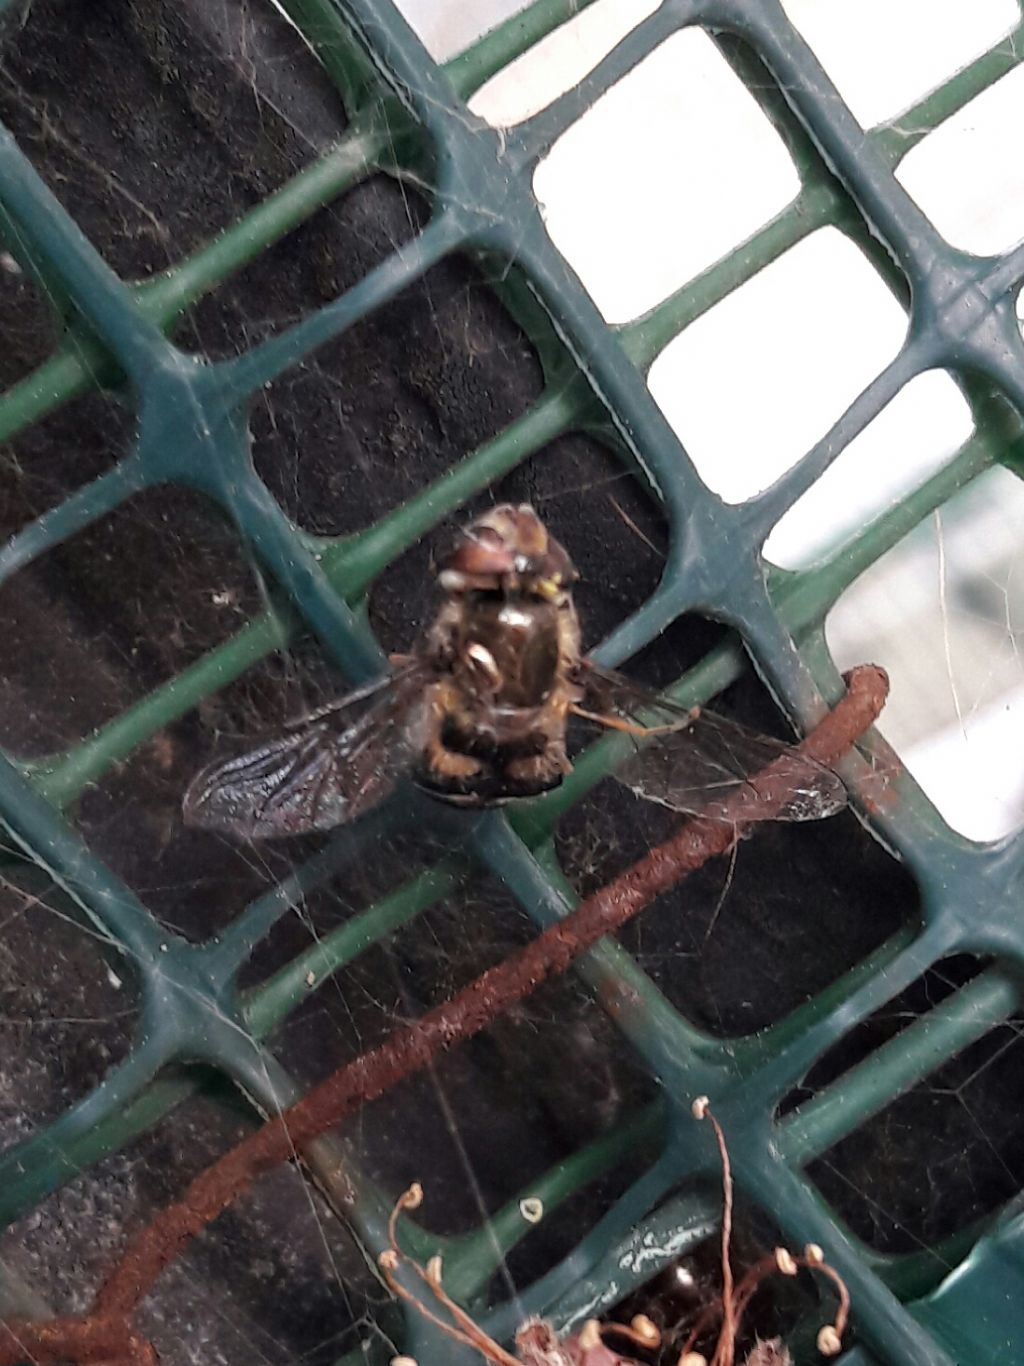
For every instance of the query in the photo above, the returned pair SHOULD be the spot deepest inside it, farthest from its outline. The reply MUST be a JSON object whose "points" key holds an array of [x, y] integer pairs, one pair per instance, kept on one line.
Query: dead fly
{"points": [[478, 713]]}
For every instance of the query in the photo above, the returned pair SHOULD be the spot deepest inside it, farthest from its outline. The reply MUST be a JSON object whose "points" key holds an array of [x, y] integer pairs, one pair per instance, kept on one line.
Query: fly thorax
{"points": [[510, 650]]}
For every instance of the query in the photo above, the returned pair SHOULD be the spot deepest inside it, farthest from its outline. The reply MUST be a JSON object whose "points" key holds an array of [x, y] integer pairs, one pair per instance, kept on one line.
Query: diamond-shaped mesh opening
{"points": [[300, 271], [542, 1082], [439, 373], [127, 603], [70, 1004], [57, 455], [30, 324], [287, 1282], [99, 98], [558, 62], [713, 943], [928, 422], [820, 322], [875, 55], [604, 194], [984, 215], [283, 1236], [956, 1129]]}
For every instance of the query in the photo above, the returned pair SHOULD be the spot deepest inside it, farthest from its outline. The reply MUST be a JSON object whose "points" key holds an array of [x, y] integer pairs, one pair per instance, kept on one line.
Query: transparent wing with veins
{"points": [[326, 769], [699, 758]]}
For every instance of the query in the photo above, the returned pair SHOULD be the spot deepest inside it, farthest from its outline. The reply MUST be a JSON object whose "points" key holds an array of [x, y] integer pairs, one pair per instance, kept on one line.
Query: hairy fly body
{"points": [[478, 712]]}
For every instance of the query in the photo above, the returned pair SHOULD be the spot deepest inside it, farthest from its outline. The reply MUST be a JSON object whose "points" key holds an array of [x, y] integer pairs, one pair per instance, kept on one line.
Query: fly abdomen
{"points": [[496, 737]]}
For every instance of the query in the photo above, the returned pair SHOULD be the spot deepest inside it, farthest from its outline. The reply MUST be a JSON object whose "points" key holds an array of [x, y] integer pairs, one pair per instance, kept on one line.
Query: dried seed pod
{"points": [[830, 1344], [590, 1335], [646, 1333], [531, 1207], [784, 1261], [770, 1352]]}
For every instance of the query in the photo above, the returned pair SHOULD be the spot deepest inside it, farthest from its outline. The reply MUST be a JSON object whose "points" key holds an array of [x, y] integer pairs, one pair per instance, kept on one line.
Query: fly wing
{"points": [[326, 770], [704, 758]]}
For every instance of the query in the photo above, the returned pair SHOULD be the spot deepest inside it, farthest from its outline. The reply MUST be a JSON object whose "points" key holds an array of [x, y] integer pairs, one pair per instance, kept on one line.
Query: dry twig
{"points": [[735, 1299]]}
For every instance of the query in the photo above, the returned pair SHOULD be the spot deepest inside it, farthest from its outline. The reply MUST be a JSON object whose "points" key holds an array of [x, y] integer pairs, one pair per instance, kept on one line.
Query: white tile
{"points": [[670, 170], [758, 379], [885, 55], [910, 439]]}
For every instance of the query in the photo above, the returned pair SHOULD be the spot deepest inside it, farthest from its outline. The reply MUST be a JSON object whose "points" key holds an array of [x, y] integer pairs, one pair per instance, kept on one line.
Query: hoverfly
{"points": [[478, 712]]}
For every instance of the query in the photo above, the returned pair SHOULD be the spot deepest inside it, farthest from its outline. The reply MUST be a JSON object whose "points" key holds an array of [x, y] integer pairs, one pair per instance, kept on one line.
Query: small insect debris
{"points": [[532, 1209], [538, 1344]]}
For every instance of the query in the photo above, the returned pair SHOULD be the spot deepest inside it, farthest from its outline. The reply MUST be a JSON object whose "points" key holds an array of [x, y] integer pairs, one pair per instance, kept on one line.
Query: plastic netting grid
{"points": [[192, 429]]}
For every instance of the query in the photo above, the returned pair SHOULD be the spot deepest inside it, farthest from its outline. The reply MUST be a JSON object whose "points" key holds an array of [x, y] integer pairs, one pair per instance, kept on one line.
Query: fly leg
{"points": [[442, 763], [634, 727], [447, 763], [538, 772]]}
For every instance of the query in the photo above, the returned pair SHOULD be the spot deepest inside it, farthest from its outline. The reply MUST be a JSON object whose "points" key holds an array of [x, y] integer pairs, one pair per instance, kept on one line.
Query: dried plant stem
{"points": [[103, 1340], [727, 1339], [466, 1014], [732, 1306], [467, 1331]]}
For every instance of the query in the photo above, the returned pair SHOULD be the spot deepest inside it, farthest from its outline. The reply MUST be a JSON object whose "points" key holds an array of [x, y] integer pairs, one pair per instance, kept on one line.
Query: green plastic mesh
{"points": [[408, 114]]}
